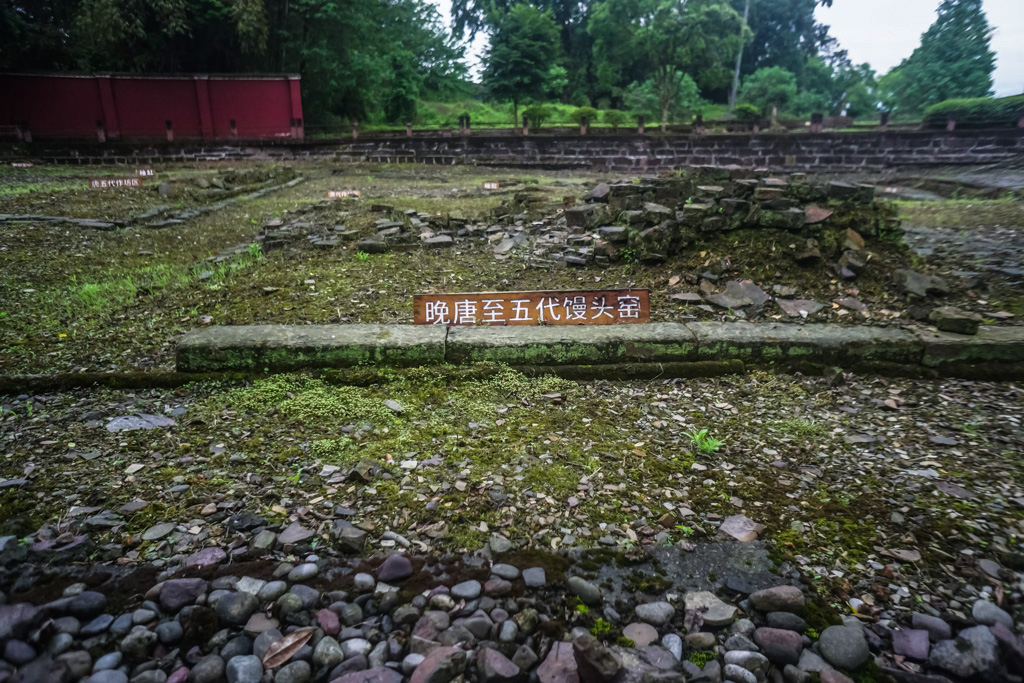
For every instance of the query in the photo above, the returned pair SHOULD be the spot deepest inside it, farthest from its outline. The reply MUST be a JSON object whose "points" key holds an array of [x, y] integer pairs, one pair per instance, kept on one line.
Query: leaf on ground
{"points": [[283, 650]]}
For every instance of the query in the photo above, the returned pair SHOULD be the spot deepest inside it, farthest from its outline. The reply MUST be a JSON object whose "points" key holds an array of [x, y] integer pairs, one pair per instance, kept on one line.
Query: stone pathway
{"points": [[984, 252]]}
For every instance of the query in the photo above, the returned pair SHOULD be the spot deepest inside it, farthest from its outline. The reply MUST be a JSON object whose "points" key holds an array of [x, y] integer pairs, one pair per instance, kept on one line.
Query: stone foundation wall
{"points": [[826, 152]]}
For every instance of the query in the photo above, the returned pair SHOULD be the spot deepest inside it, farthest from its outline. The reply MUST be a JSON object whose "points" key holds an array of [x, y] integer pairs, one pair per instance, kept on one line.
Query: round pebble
{"points": [[304, 572]]}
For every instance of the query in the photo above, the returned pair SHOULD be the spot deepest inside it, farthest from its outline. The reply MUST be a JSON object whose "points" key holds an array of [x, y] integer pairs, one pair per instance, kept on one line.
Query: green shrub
{"points": [[614, 117], [747, 113], [979, 111], [537, 114], [589, 112]]}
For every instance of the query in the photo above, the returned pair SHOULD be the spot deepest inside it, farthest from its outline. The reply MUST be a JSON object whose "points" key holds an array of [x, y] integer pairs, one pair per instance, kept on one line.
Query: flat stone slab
{"points": [[990, 345], [771, 342], [564, 345], [292, 347]]}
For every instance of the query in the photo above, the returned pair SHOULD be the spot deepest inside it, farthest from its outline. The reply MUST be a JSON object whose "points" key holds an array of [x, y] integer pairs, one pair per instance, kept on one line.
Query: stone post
{"points": [[170, 130], [462, 126], [640, 124], [757, 125], [583, 125], [883, 123], [355, 129], [817, 123], [526, 126], [101, 131], [468, 127], [951, 123], [408, 129], [698, 125], [775, 116]]}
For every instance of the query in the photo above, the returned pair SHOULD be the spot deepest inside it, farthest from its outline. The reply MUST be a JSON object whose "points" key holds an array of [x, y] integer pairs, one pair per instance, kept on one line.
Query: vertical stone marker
{"points": [[594, 307]]}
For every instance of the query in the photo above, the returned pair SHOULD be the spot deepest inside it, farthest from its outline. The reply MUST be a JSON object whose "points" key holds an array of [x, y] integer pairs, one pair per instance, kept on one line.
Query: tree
{"points": [[524, 43], [785, 33], [769, 87], [640, 40], [954, 60], [677, 94], [739, 63]]}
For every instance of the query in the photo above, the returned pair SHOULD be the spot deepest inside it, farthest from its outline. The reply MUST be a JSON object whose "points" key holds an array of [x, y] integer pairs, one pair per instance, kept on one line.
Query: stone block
{"points": [[768, 343], [252, 348], [990, 345], [565, 345]]}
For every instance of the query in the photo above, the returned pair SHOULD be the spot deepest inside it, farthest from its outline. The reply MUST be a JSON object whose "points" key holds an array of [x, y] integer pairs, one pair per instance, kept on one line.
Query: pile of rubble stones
{"points": [[655, 218], [401, 618]]}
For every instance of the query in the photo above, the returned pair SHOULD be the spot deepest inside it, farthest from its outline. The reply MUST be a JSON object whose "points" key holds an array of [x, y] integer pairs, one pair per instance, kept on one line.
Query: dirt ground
{"points": [[845, 478], [77, 297]]}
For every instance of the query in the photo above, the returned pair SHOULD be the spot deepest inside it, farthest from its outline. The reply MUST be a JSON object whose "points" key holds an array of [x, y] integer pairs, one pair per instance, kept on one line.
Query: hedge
{"points": [[976, 112]]}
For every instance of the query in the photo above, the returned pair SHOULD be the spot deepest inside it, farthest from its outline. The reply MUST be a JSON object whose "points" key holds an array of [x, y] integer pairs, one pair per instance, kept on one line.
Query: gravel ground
{"points": [[845, 479]]}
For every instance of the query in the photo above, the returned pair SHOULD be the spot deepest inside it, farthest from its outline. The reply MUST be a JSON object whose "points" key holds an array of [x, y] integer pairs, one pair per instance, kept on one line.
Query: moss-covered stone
{"points": [[654, 343], [291, 347]]}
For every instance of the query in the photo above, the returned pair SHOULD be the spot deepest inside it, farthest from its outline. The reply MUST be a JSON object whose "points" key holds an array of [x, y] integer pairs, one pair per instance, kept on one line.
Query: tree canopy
{"points": [[521, 55], [380, 60], [954, 60], [357, 58]]}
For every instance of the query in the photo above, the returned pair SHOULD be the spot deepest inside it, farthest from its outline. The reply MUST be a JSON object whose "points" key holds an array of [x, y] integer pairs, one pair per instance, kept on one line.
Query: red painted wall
{"points": [[257, 111], [138, 107]]}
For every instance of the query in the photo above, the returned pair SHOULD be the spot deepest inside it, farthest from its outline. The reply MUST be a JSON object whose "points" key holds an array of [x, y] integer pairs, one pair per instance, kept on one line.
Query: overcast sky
{"points": [[884, 32]]}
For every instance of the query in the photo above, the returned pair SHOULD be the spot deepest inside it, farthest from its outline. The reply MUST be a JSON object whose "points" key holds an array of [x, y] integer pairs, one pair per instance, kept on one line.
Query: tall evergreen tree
{"points": [[954, 60], [524, 45]]}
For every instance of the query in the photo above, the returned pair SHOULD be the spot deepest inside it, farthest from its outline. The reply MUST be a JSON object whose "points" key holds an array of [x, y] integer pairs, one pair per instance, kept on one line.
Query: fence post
{"points": [[468, 128], [101, 133], [170, 130], [462, 125], [408, 129], [640, 124], [698, 125], [951, 123], [817, 123], [757, 125], [355, 129], [526, 126], [883, 123], [583, 125]]}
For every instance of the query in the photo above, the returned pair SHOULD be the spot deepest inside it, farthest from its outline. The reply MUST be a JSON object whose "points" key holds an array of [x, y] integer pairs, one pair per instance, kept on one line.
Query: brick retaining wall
{"points": [[825, 152]]}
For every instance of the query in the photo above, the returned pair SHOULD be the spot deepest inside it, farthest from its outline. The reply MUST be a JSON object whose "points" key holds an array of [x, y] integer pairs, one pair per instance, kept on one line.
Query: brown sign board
{"points": [[591, 307], [109, 183]]}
